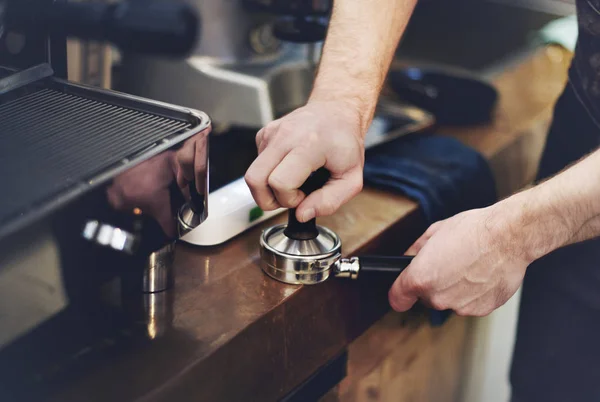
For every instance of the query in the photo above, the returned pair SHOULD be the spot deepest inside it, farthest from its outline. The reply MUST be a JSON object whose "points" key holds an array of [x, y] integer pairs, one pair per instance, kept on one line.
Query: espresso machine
{"points": [[257, 60], [96, 188], [255, 63]]}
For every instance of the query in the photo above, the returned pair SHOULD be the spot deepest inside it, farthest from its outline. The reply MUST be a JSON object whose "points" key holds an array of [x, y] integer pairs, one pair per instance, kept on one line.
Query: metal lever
{"points": [[371, 266]]}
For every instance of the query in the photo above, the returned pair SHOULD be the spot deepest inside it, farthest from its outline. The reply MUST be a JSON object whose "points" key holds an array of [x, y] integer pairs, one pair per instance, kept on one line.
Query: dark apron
{"points": [[557, 351]]}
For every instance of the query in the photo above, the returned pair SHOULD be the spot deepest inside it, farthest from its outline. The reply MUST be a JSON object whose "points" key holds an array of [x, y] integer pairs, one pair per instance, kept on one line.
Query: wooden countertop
{"points": [[237, 335]]}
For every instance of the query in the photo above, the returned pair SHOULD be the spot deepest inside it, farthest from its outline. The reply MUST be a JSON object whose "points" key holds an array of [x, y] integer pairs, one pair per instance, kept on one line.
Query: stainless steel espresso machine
{"points": [[255, 63], [95, 188], [256, 59]]}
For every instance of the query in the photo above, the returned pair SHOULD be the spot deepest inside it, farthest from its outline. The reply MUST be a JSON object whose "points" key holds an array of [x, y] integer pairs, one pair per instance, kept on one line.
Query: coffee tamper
{"points": [[306, 253]]}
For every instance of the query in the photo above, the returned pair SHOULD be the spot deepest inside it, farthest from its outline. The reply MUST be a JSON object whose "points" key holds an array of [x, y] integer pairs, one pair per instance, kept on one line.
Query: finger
{"points": [[404, 293], [289, 176], [258, 174], [327, 200], [421, 241], [480, 307], [260, 143], [262, 137], [417, 246]]}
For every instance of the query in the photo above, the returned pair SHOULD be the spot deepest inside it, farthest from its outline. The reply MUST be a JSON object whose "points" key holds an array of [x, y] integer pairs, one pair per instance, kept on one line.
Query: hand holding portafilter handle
{"points": [[371, 267]]}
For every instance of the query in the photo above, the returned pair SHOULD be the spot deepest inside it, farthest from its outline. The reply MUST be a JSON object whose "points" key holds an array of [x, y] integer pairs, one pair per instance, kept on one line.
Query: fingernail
{"points": [[308, 215]]}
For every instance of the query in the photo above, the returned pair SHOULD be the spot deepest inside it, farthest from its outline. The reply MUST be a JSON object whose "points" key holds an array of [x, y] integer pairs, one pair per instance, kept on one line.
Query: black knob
{"points": [[306, 230], [151, 27]]}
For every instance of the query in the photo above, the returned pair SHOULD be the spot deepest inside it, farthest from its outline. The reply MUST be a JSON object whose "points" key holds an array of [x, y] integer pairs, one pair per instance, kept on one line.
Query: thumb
{"points": [[327, 200], [403, 293]]}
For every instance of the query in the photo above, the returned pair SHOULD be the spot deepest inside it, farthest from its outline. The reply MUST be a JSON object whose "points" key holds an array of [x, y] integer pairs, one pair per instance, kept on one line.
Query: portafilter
{"points": [[305, 253]]}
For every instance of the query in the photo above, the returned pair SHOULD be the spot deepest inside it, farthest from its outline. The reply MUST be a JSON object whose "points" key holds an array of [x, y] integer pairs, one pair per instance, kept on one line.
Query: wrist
{"points": [[361, 105], [535, 224]]}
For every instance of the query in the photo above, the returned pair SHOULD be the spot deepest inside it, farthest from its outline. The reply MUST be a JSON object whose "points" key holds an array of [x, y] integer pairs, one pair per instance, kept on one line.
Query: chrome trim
{"points": [[347, 268], [297, 269]]}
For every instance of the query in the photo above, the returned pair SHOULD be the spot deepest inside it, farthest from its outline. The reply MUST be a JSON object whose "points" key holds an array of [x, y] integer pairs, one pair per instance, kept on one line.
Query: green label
{"points": [[255, 213]]}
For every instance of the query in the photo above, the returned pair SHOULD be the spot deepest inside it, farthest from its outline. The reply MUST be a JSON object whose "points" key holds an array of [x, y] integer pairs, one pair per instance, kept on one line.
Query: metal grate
{"points": [[51, 141]]}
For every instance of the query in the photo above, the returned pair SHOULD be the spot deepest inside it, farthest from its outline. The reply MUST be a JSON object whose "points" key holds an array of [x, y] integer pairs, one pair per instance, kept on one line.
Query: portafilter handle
{"points": [[371, 267], [306, 230]]}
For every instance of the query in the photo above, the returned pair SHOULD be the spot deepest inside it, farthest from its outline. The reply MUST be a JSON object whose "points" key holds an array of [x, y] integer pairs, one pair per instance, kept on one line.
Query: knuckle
{"points": [[268, 131], [421, 285], [290, 201], [328, 207], [277, 183], [439, 303], [271, 127], [252, 180], [283, 128], [356, 186], [269, 205], [260, 136], [463, 312], [484, 312], [313, 139], [433, 228], [393, 300]]}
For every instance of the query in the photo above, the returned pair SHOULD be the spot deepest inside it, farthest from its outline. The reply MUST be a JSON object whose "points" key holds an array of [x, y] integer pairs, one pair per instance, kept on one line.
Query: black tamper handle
{"points": [[372, 266], [308, 230]]}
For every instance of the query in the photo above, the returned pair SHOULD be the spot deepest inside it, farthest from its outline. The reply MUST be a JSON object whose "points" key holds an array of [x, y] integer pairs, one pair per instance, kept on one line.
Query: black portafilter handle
{"points": [[156, 27], [376, 265], [306, 230]]}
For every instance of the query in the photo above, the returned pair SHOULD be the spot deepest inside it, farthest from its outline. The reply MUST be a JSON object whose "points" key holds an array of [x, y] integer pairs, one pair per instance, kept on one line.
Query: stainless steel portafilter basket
{"points": [[306, 254], [299, 261]]}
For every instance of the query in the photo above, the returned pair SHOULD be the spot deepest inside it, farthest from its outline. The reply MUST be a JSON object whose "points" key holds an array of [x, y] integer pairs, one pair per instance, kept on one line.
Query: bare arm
{"points": [[329, 131], [362, 38], [560, 211], [475, 261]]}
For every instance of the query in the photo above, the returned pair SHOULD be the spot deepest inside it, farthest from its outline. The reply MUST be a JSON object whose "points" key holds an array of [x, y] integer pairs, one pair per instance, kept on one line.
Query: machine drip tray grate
{"points": [[56, 137]]}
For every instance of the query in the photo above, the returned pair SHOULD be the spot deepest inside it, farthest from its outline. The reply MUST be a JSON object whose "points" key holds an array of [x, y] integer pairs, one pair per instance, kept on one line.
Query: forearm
{"points": [[362, 38], [560, 211]]}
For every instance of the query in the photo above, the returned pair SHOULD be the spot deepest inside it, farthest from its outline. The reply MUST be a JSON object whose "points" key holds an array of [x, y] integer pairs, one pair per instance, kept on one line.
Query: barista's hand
{"points": [[471, 263], [322, 133]]}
